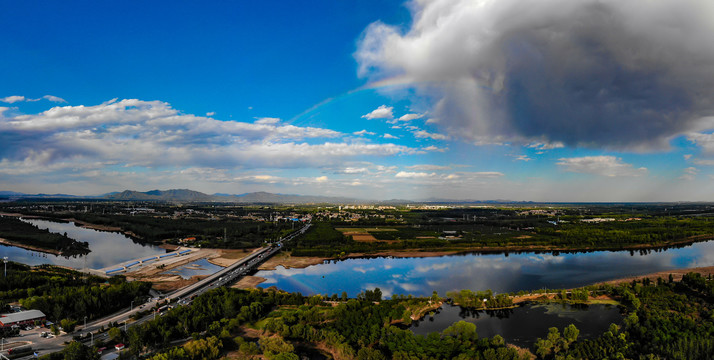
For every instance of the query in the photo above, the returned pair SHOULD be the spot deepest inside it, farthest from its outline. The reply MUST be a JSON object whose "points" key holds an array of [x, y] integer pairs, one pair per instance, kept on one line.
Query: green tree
{"points": [[68, 325], [366, 353], [209, 348], [274, 345], [570, 333], [115, 334], [75, 350], [462, 330]]}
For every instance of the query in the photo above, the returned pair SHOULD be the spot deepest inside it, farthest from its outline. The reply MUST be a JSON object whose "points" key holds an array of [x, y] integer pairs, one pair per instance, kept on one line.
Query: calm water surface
{"points": [[523, 325], [108, 248], [198, 267], [499, 272]]}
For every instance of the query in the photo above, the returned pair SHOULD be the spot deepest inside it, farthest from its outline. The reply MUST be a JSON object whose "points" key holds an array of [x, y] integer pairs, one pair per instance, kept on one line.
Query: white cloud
{"points": [[19, 98], [703, 140], [522, 158], [352, 170], [210, 113], [390, 136], [704, 162], [593, 73], [12, 99], [481, 174], [267, 121], [600, 165], [434, 148], [689, 173], [54, 99], [363, 132], [321, 179], [382, 112], [428, 167], [546, 146], [410, 117], [409, 174], [423, 134], [152, 134], [386, 169]]}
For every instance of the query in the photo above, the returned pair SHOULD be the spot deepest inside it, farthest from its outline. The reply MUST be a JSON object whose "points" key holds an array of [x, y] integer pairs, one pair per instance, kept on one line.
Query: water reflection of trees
{"points": [[466, 313]]}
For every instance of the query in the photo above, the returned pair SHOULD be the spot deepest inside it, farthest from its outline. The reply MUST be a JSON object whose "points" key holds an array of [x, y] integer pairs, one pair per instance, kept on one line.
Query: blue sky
{"points": [[565, 101]]}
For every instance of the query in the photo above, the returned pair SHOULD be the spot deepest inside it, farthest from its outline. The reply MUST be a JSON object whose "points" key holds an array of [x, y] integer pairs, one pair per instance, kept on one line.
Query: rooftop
{"points": [[21, 316]]}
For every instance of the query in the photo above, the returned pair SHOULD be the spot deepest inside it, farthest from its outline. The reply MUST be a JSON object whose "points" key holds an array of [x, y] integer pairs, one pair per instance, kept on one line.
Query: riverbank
{"points": [[29, 247], [677, 275], [419, 252], [286, 260]]}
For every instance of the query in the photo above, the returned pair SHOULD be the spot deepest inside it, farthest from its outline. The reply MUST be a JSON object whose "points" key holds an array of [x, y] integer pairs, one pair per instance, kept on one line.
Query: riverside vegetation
{"points": [[20, 232], [454, 228], [663, 319]]}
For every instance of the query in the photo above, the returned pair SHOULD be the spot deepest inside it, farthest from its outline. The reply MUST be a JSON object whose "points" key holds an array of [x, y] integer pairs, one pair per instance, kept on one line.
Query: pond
{"points": [[107, 248], [521, 326], [498, 272], [198, 267]]}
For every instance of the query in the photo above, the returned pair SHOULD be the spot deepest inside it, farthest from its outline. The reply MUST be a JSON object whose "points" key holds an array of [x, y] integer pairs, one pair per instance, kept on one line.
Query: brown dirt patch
{"points": [[175, 282], [362, 237], [287, 261], [227, 257], [249, 282]]}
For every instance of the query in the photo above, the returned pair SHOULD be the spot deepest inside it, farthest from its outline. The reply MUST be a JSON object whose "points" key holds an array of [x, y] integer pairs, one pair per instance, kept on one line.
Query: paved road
{"points": [[221, 278]]}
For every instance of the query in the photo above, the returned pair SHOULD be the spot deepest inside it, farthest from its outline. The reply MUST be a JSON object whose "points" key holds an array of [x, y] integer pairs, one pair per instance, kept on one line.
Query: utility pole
{"points": [[4, 259]]}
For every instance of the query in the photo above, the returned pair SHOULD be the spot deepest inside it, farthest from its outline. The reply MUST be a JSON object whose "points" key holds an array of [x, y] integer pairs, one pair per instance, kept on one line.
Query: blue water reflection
{"points": [[499, 272], [523, 325], [107, 248], [198, 267]]}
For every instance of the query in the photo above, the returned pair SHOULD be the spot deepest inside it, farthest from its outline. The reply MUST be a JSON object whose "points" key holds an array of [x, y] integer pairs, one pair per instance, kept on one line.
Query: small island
{"points": [[16, 232]]}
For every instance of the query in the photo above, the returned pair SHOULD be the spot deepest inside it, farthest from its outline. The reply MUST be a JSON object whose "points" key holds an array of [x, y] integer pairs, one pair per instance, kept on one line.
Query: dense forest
{"points": [[16, 230], [663, 320]]}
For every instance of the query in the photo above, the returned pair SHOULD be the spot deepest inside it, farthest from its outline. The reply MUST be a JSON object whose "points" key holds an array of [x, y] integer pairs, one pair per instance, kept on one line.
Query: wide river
{"points": [[107, 248], [498, 272]]}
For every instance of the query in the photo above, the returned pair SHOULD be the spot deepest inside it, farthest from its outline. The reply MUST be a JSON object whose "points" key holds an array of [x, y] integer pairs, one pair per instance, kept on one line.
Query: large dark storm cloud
{"points": [[623, 74]]}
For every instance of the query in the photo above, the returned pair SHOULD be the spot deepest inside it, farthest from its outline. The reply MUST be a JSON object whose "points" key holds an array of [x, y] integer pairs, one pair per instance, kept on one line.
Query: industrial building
{"points": [[21, 318]]}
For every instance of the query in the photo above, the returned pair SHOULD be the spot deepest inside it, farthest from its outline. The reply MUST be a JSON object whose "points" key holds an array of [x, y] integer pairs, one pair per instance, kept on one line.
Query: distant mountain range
{"points": [[191, 196], [261, 197]]}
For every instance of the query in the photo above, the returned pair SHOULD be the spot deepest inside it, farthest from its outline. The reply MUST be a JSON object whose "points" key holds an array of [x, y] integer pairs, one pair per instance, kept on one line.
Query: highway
{"points": [[238, 269], [221, 278]]}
